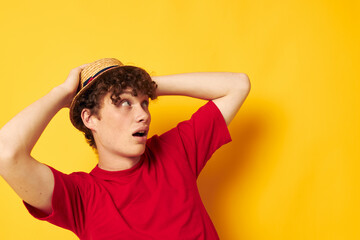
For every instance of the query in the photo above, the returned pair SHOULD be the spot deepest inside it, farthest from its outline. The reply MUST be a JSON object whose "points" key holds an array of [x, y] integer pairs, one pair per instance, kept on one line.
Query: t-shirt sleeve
{"points": [[67, 204], [200, 136]]}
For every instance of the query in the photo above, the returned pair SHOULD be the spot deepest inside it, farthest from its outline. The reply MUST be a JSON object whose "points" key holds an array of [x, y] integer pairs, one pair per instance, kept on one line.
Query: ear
{"points": [[88, 119]]}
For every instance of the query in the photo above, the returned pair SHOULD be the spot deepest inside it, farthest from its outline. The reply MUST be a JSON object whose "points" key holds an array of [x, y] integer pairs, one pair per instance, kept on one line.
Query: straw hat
{"points": [[88, 76]]}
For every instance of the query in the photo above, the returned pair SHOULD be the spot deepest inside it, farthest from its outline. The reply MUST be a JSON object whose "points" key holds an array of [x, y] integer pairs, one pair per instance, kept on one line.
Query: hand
{"points": [[72, 82]]}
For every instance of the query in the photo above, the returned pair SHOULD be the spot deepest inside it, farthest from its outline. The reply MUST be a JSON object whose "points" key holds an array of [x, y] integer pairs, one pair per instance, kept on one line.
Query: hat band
{"points": [[92, 78]]}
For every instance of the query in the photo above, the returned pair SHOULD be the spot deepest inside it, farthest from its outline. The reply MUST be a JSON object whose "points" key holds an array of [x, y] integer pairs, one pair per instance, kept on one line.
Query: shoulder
{"points": [[73, 181]]}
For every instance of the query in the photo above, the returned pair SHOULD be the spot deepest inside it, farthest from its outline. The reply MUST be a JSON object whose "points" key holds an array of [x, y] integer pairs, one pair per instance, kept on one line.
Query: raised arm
{"points": [[30, 179], [226, 89]]}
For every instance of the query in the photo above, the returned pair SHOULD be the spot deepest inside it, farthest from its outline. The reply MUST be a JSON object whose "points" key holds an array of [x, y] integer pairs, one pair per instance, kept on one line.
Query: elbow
{"points": [[242, 83], [7, 157]]}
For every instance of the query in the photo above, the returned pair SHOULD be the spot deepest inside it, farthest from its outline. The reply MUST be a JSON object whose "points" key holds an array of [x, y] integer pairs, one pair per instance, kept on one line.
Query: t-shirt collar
{"points": [[108, 175]]}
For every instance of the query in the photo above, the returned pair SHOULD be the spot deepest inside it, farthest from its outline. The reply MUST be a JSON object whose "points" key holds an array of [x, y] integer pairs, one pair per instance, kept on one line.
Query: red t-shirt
{"points": [[157, 198]]}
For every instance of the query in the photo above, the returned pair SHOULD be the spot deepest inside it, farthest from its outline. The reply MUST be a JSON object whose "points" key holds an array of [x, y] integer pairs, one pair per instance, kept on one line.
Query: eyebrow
{"points": [[127, 92], [130, 93]]}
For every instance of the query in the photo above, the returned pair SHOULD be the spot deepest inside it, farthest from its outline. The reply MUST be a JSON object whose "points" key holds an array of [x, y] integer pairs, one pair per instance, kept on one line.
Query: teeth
{"points": [[140, 133]]}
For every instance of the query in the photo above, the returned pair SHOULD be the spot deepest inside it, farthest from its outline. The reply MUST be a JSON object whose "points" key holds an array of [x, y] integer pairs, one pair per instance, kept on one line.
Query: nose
{"points": [[142, 115]]}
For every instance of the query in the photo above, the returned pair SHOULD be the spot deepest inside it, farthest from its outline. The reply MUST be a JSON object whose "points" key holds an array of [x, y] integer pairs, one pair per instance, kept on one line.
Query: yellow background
{"points": [[291, 171]]}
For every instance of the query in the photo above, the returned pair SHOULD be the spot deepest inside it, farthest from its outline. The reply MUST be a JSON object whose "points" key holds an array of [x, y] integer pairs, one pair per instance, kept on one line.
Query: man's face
{"points": [[122, 129]]}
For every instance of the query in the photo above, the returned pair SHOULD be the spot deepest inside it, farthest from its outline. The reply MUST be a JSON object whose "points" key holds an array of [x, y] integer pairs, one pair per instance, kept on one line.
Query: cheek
{"points": [[148, 115], [113, 137], [112, 128]]}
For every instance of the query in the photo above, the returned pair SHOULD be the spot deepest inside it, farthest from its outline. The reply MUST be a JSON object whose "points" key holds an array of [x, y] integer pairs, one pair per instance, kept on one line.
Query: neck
{"points": [[117, 163]]}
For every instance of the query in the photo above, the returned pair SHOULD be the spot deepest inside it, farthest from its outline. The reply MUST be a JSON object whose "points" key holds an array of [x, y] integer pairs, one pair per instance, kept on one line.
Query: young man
{"points": [[141, 188]]}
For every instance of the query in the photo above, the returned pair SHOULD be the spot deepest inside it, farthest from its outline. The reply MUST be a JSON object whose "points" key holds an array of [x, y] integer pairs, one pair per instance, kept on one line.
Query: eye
{"points": [[145, 104], [125, 103]]}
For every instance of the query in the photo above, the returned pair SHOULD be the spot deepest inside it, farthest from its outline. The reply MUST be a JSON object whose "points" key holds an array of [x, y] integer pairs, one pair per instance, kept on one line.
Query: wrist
{"points": [[159, 89], [66, 94]]}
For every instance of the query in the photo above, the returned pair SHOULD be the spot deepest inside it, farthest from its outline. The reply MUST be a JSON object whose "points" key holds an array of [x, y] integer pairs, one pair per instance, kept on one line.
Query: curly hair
{"points": [[114, 81]]}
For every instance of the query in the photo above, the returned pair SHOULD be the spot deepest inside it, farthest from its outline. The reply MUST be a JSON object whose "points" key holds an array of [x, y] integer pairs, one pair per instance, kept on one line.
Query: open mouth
{"points": [[140, 134]]}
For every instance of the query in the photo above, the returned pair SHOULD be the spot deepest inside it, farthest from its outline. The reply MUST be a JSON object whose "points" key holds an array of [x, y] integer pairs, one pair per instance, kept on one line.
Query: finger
{"points": [[78, 69], [84, 65]]}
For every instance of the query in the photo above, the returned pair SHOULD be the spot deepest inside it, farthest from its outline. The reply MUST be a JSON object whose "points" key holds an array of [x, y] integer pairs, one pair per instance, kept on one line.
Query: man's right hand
{"points": [[71, 84]]}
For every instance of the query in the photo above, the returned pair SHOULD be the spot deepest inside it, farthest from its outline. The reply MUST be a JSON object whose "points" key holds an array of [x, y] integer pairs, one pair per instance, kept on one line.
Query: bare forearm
{"points": [[228, 90], [21, 133], [203, 85]]}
